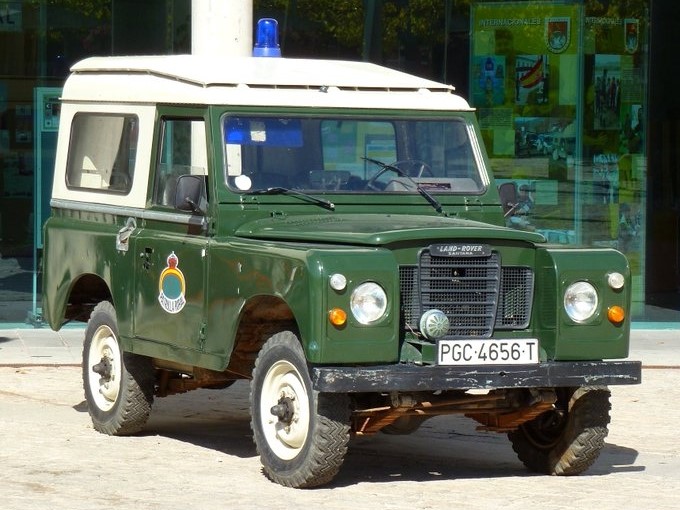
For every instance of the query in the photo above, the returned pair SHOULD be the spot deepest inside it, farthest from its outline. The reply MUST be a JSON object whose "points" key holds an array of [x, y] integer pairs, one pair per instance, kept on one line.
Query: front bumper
{"points": [[410, 377]]}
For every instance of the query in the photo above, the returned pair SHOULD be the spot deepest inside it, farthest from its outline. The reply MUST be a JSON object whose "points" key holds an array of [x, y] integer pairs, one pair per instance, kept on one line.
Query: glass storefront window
{"points": [[560, 87], [560, 91], [39, 41]]}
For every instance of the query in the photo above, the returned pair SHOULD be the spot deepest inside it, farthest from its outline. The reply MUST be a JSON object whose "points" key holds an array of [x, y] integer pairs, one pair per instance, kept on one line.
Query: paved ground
{"points": [[197, 450], [41, 346]]}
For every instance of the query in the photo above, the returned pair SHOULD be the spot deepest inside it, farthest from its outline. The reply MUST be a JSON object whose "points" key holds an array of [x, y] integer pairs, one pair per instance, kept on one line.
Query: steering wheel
{"points": [[405, 168], [371, 183]]}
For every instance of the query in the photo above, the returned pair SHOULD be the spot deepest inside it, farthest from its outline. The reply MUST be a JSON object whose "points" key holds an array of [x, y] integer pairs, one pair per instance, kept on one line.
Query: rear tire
{"points": [[565, 441], [118, 385], [301, 435]]}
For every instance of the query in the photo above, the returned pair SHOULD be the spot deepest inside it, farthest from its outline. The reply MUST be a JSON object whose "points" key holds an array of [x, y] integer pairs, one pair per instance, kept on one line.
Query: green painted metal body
{"points": [[279, 251]]}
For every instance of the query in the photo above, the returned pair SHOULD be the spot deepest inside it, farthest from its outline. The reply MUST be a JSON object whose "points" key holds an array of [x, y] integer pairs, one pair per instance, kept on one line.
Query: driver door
{"points": [[172, 246]]}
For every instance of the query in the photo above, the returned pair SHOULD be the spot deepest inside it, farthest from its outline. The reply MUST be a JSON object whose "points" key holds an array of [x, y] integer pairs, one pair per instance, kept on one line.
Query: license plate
{"points": [[522, 351]]}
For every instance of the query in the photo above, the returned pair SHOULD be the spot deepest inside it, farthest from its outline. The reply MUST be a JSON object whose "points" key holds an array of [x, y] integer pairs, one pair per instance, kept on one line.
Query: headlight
{"points": [[368, 302], [580, 301]]}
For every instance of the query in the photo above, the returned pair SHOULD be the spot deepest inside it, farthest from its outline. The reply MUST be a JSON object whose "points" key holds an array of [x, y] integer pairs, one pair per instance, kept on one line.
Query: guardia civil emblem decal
{"points": [[631, 34], [557, 34], [172, 286]]}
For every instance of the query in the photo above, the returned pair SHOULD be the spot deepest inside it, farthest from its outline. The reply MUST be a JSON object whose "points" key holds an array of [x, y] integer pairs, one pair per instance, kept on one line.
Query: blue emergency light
{"points": [[267, 38]]}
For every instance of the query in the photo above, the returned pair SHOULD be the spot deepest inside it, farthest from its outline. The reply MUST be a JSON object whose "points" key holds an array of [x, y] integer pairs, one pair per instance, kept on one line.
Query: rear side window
{"points": [[102, 152]]}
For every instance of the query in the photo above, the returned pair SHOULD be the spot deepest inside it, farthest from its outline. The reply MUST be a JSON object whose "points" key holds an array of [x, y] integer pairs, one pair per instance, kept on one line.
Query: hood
{"points": [[376, 229]]}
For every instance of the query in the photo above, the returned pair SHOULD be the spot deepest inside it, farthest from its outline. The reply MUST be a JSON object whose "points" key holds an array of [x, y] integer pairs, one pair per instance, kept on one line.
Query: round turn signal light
{"points": [[616, 315], [337, 317]]}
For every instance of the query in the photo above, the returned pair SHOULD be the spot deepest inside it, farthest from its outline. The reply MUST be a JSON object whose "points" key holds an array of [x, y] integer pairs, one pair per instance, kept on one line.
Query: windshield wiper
{"points": [[287, 191], [427, 195]]}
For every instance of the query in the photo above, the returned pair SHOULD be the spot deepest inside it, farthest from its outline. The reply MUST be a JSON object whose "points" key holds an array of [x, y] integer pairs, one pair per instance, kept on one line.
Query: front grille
{"points": [[516, 294], [476, 293]]}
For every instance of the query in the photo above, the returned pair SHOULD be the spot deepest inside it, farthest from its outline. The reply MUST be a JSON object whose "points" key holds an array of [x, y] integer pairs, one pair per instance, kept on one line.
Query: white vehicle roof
{"points": [[190, 79]]}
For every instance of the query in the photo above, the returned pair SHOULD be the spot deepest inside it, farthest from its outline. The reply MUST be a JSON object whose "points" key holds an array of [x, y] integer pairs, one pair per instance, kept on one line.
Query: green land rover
{"points": [[331, 232]]}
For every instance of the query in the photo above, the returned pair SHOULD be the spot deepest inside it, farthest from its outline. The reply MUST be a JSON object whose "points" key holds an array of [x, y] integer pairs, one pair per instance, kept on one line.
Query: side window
{"points": [[182, 151], [102, 152]]}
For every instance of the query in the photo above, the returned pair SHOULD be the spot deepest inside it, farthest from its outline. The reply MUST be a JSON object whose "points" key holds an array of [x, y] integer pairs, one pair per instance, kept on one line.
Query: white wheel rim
{"points": [[283, 380], [104, 345]]}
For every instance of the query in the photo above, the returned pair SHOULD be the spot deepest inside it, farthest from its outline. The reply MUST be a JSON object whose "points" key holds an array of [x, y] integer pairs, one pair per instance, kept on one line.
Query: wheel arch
{"points": [[260, 318], [85, 292]]}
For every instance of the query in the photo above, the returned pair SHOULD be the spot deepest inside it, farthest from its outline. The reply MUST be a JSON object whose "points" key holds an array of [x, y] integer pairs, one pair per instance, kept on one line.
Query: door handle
{"points": [[123, 236]]}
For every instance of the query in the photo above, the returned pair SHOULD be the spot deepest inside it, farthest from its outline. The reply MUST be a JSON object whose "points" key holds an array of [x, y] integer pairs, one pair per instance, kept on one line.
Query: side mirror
{"points": [[190, 194]]}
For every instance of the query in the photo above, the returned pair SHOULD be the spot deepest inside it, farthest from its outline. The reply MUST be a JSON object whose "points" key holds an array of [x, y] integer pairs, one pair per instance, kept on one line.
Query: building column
{"points": [[219, 28], [222, 28]]}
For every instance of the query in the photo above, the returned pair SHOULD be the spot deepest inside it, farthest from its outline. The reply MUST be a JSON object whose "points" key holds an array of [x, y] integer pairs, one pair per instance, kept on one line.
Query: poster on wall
{"points": [[537, 137], [528, 122], [607, 87], [531, 79], [488, 86], [632, 132], [569, 115], [518, 51]]}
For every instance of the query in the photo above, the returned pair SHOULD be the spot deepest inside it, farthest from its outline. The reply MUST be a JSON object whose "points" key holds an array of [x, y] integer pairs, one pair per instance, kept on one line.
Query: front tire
{"points": [[567, 440], [118, 385], [301, 435]]}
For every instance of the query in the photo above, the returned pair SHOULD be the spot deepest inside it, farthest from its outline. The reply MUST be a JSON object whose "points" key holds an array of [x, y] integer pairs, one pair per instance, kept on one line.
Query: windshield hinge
{"points": [[250, 203], [473, 204]]}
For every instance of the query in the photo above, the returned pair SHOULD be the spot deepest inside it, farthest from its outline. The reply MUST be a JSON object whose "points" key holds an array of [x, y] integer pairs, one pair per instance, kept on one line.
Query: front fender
{"points": [[352, 342], [297, 275], [596, 338]]}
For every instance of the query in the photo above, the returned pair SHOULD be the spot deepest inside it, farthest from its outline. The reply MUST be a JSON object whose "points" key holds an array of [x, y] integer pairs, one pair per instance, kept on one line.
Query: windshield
{"points": [[315, 155]]}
